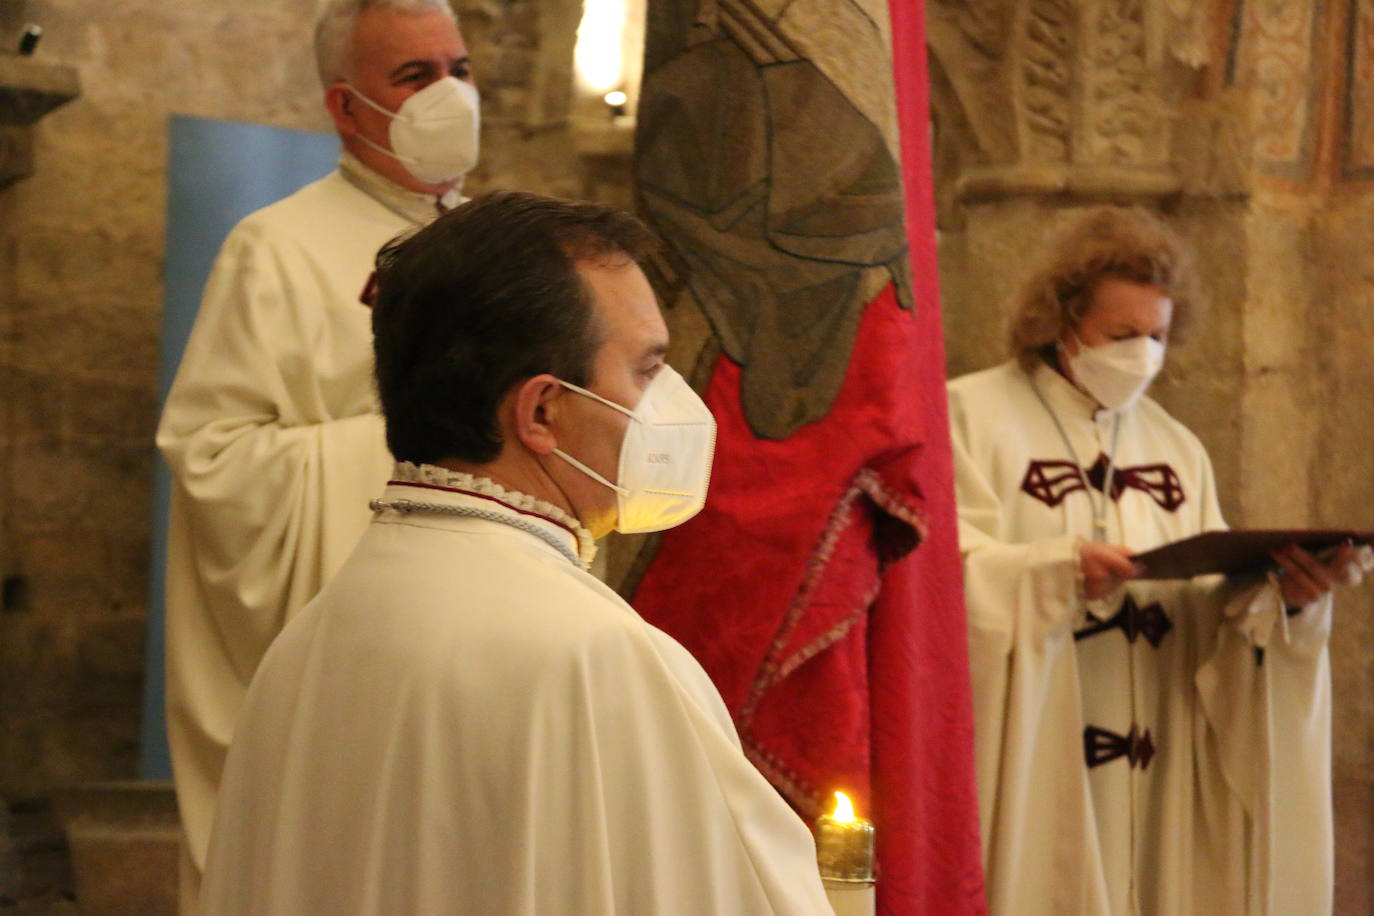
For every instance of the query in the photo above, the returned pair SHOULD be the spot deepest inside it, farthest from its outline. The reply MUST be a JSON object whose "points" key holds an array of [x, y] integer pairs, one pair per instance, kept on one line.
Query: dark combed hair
{"points": [[485, 297]]}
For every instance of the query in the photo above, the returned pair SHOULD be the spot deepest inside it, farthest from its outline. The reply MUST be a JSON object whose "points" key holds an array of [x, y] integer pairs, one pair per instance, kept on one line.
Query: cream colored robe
{"points": [[465, 721], [1226, 807], [275, 444]]}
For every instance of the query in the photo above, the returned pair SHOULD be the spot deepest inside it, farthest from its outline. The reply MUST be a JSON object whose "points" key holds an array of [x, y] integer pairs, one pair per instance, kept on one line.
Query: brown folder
{"points": [[1237, 551]]}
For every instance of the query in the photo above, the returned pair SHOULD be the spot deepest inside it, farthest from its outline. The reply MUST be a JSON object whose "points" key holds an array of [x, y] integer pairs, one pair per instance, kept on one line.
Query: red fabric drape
{"points": [[940, 864], [840, 650]]}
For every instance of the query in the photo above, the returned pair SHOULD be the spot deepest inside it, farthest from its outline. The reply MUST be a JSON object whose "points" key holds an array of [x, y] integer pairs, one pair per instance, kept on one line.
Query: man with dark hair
{"points": [[465, 720]]}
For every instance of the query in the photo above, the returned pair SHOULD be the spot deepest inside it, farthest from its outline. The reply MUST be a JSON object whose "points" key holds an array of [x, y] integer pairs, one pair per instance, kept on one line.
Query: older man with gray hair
{"points": [[271, 428]]}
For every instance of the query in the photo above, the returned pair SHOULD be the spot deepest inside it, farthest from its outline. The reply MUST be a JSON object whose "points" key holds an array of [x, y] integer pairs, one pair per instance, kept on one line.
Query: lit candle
{"points": [[844, 852]]}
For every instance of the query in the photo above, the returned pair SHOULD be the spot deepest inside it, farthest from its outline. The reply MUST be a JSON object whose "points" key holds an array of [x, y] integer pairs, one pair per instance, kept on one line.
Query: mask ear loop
{"points": [[589, 472], [1064, 353], [396, 115], [1066, 360], [596, 397], [358, 92], [573, 461], [405, 160]]}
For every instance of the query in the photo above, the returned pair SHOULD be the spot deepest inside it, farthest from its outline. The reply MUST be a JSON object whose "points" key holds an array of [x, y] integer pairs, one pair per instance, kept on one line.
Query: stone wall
{"points": [[1249, 125], [81, 248], [1341, 310]]}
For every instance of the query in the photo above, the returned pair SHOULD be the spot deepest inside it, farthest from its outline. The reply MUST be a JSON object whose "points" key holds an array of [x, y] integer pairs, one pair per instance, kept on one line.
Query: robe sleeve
{"points": [[669, 817], [1268, 717], [274, 460]]}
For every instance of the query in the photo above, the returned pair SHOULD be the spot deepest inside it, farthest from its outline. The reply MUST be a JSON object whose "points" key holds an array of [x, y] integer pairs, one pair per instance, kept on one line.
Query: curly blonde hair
{"points": [[1122, 242]]}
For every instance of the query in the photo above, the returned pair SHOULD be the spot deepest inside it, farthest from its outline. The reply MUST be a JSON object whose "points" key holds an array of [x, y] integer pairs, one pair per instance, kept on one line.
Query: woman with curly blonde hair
{"points": [[1129, 245], [1142, 747]]}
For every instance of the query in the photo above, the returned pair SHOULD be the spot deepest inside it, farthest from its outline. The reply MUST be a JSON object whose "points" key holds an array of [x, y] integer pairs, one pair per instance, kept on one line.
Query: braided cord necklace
{"points": [[1099, 507], [1100, 535], [407, 506]]}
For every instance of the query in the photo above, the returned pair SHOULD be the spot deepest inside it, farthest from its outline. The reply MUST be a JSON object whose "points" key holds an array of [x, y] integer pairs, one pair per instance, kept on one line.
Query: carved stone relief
{"points": [[1358, 152], [1283, 57], [1061, 95], [1278, 64], [970, 57], [1045, 79], [1123, 123], [1185, 30]]}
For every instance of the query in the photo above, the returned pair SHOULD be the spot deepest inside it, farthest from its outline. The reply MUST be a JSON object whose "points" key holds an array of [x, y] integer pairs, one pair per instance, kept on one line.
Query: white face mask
{"points": [[434, 133], [665, 457], [1116, 373]]}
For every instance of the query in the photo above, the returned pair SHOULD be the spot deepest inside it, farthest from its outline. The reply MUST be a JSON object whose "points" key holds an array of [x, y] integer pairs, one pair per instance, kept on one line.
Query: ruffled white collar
{"points": [[430, 475]]}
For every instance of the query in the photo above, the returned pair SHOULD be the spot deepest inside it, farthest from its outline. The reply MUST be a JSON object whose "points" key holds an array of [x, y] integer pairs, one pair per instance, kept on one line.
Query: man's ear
{"points": [[338, 100], [533, 407]]}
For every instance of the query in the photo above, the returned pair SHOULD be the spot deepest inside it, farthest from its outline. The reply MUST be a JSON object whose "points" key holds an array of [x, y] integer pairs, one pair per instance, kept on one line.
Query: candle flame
{"points": [[844, 809]]}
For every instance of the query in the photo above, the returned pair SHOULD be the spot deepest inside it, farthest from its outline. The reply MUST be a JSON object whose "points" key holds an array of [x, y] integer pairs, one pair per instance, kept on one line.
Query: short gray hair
{"points": [[334, 31]]}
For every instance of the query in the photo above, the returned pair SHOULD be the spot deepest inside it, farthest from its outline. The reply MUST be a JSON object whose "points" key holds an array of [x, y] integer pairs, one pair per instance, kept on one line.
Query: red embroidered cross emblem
{"points": [[1052, 481], [1102, 746], [1149, 621]]}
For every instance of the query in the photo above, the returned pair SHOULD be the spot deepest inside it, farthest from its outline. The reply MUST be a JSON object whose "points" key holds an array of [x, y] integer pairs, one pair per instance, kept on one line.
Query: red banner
{"points": [[820, 587]]}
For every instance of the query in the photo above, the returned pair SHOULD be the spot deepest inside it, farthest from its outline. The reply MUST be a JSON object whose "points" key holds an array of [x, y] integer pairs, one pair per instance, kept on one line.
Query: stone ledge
{"points": [[124, 840], [609, 139], [1053, 178], [16, 154], [30, 89]]}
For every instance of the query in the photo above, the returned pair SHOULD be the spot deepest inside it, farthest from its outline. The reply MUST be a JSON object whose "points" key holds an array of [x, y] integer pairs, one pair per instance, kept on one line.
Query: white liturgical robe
{"points": [[465, 721], [1167, 750], [275, 443]]}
